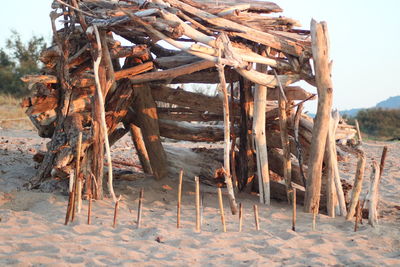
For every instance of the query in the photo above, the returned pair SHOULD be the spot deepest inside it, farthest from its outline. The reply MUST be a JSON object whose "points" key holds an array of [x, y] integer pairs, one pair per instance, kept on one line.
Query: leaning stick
{"points": [[240, 216], [196, 179], [255, 207], [358, 132], [357, 186], [225, 100], [116, 212], [294, 210], [89, 209], [139, 215], [178, 212], [77, 172], [221, 208], [102, 111], [383, 159]]}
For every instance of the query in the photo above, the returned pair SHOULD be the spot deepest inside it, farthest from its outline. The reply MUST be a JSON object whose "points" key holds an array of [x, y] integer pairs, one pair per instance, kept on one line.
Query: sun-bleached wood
{"points": [[322, 66]]}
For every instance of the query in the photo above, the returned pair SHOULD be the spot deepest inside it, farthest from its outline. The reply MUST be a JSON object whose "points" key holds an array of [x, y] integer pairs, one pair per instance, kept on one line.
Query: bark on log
{"points": [[322, 66]]}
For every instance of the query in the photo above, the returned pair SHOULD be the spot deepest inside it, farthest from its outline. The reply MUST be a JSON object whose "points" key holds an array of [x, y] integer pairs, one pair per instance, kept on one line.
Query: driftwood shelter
{"points": [[93, 85]]}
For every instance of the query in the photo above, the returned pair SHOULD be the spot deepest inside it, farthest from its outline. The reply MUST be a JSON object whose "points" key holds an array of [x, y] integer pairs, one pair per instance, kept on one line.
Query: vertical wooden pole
{"points": [[247, 162], [89, 220], [178, 209], [355, 195], [103, 125], [358, 132], [137, 139], [221, 209], [373, 195], [322, 66], [197, 182], [256, 220], [294, 210], [70, 197], [139, 214], [283, 123], [77, 172], [240, 216], [227, 166], [259, 120]]}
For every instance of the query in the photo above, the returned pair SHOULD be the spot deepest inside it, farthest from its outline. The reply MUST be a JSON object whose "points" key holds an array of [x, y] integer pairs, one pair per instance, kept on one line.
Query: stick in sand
{"points": [[240, 217], [178, 212], [383, 159], [357, 216], [70, 198], [196, 179], [221, 208], [255, 207], [294, 210], [77, 173], [139, 215], [89, 209], [116, 212]]}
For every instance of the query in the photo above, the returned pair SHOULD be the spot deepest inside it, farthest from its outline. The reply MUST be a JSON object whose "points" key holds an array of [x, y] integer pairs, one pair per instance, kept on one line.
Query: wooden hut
{"points": [[94, 85]]}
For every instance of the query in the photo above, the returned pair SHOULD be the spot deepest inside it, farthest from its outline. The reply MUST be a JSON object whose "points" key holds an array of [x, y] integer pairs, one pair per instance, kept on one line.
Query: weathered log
{"points": [[267, 39], [246, 166], [260, 102], [147, 117], [137, 138], [172, 73], [322, 66]]}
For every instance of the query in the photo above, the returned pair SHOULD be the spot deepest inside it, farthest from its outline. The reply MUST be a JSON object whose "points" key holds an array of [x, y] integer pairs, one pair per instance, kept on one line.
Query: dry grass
{"points": [[12, 116]]}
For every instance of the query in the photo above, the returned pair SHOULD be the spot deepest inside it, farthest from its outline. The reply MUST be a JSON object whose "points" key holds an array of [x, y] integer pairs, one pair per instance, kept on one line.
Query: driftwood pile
{"points": [[95, 85]]}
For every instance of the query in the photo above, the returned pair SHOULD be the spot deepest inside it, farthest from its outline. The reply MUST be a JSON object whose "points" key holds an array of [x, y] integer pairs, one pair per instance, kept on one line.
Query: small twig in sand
{"points": [[198, 226], [221, 208], [240, 217], [139, 215], [255, 207], [89, 209], [178, 212], [116, 211], [294, 210]]}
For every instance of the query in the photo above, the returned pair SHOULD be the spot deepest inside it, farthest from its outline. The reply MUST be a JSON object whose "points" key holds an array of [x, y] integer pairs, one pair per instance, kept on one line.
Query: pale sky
{"points": [[364, 34]]}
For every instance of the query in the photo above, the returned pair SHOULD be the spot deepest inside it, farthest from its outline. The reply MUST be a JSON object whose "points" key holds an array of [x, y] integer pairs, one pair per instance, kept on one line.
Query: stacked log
{"points": [[211, 43]]}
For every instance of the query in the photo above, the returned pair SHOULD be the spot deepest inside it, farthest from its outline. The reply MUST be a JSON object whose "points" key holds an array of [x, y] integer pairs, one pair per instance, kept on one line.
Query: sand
{"points": [[32, 230]]}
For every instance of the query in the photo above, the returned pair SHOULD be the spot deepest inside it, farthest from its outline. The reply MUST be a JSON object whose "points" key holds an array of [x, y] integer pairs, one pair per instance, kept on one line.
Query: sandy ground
{"points": [[32, 232]]}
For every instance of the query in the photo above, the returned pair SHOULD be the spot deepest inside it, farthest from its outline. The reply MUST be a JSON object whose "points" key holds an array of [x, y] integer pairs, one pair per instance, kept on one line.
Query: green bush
{"points": [[17, 60], [376, 122]]}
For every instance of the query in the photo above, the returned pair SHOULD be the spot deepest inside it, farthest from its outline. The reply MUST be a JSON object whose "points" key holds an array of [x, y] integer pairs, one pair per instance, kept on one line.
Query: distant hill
{"points": [[390, 103]]}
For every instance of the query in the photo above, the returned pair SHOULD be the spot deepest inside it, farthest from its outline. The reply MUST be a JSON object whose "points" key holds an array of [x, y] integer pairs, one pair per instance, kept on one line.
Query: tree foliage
{"points": [[17, 60], [379, 122]]}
